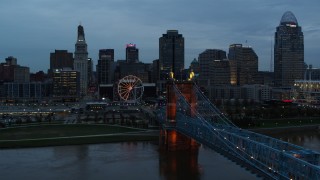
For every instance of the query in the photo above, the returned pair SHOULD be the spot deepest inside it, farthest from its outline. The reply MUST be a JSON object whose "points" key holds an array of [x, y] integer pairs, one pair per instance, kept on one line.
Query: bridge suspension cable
{"points": [[273, 157], [209, 128], [209, 107]]}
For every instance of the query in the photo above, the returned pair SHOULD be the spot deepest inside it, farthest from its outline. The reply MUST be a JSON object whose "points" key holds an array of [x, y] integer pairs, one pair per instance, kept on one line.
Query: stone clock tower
{"points": [[81, 60]]}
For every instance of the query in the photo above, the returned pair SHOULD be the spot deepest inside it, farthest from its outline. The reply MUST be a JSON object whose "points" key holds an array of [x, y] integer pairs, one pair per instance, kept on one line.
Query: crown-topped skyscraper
{"points": [[288, 51], [81, 60]]}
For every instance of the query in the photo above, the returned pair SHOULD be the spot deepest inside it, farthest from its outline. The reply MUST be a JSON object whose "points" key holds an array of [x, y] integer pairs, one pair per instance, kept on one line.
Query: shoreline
{"points": [[145, 135], [67, 141]]}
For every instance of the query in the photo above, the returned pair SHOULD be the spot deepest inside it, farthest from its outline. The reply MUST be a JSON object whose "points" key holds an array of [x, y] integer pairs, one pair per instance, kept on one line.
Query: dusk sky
{"points": [[31, 29]]}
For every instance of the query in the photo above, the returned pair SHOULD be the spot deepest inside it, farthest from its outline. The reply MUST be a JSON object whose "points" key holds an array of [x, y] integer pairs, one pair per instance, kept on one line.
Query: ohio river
{"points": [[128, 160]]}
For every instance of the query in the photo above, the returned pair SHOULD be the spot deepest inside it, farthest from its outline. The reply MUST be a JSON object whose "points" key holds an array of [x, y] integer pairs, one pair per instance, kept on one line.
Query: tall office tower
{"points": [[288, 51], [155, 71], [243, 65], [81, 60], [171, 54], [104, 66], [90, 71], [132, 53], [60, 59], [106, 53], [66, 85], [206, 59]]}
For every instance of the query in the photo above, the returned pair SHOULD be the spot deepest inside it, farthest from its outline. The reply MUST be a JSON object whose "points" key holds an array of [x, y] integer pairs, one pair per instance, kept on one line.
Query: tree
{"points": [[113, 118], [104, 117], [39, 118], [95, 117], [18, 121]]}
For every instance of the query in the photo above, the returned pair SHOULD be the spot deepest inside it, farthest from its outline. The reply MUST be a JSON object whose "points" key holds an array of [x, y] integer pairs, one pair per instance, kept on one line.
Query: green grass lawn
{"points": [[51, 131], [34, 136]]}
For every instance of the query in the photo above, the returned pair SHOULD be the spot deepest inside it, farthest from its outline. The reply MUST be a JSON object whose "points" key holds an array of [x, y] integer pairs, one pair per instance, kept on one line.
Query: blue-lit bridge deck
{"points": [[271, 157]]}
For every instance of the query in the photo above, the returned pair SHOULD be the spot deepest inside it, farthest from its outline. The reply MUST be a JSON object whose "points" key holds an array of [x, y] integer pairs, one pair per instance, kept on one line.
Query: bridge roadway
{"points": [[270, 157]]}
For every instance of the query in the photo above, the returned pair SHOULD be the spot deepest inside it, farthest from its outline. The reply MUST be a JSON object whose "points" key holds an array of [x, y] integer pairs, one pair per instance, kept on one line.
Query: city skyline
{"points": [[34, 30]]}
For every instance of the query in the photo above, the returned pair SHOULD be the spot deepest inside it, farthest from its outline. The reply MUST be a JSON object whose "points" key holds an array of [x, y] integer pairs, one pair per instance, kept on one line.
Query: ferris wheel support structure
{"points": [[130, 88]]}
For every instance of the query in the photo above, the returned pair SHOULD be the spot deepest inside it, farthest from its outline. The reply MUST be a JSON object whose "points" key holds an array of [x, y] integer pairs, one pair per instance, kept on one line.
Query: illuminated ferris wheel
{"points": [[130, 88]]}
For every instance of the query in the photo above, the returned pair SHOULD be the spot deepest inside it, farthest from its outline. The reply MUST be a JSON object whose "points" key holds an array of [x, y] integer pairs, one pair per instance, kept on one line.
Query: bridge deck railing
{"points": [[277, 159], [271, 161]]}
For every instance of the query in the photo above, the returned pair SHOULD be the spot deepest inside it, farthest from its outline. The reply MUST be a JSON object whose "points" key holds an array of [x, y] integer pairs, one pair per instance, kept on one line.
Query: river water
{"points": [[309, 139], [128, 160]]}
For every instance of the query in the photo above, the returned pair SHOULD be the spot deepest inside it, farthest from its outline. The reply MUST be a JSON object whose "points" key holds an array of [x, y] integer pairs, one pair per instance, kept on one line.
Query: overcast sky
{"points": [[31, 29]]}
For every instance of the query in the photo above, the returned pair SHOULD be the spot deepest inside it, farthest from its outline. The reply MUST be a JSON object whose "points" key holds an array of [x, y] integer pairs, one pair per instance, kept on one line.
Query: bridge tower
{"points": [[170, 139]]}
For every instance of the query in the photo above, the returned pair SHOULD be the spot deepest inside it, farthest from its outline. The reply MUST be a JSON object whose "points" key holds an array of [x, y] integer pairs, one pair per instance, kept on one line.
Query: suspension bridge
{"points": [[190, 118]]}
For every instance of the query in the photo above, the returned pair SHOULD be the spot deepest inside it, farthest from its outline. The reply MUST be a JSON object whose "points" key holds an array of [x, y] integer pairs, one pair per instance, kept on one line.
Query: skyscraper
{"points": [[171, 54], [243, 65], [213, 70], [288, 51], [90, 72], [132, 53], [65, 85], [81, 60], [106, 53], [104, 68], [60, 59]]}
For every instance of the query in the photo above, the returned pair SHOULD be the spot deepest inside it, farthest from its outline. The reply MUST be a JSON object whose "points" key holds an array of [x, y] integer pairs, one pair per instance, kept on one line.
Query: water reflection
{"points": [[179, 165], [132, 160], [309, 139]]}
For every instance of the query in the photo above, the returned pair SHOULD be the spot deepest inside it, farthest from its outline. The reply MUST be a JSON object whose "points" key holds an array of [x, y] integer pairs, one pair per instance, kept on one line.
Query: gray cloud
{"points": [[32, 30]]}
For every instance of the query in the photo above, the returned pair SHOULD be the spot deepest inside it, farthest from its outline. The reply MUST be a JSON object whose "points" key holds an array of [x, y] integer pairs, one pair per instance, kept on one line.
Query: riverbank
{"points": [[58, 135], [76, 134]]}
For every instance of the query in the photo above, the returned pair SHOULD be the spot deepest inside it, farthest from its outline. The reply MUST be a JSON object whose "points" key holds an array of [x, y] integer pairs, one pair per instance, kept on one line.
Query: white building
{"points": [[81, 60]]}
